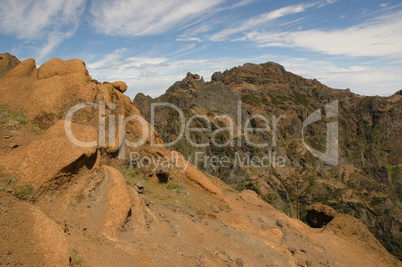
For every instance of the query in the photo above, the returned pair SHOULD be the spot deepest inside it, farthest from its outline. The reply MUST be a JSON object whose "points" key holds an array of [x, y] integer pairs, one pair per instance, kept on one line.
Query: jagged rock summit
{"points": [[68, 204]]}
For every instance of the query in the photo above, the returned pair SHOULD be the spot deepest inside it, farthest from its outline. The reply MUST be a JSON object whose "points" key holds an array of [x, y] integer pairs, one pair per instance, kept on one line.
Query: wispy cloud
{"points": [[53, 40], [52, 21], [33, 18], [379, 37], [189, 39], [365, 78], [242, 3], [259, 20], [138, 18]]}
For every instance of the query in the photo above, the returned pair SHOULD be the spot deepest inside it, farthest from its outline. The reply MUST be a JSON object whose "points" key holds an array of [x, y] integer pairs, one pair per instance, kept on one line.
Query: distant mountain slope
{"points": [[366, 182]]}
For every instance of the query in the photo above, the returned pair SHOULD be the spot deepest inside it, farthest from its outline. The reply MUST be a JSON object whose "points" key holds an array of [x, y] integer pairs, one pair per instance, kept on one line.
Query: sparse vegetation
{"points": [[11, 180], [300, 99], [24, 192], [130, 175], [94, 240], [12, 118], [177, 188], [395, 172], [75, 259], [251, 100], [37, 129]]}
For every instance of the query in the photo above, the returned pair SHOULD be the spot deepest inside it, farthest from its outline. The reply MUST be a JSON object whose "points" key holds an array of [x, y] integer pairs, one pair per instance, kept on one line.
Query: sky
{"points": [[354, 44]]}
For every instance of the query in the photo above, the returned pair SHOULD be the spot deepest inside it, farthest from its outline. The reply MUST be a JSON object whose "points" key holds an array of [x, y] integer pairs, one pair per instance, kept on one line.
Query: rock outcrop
{"points": [[58, 67]]}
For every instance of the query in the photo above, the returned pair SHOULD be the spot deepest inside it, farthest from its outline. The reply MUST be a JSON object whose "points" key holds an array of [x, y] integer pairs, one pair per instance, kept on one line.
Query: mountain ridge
{"points": [[367, 128]]}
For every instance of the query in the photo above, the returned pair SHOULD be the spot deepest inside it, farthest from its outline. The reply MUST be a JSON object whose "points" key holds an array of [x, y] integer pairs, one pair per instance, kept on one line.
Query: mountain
{"points": [[86, 181], [296, 142]]}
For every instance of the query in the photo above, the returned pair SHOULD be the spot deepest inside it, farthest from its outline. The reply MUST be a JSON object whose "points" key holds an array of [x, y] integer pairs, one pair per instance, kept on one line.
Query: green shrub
{"points": [[177, 188], [24, 192], [395, 172], [11, 180]]}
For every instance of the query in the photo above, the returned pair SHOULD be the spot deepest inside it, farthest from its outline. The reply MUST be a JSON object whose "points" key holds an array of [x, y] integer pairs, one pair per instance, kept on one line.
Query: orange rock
{"points": [[43, 160], [119, 202], [56, 66], [23, 69], [121, 86]]}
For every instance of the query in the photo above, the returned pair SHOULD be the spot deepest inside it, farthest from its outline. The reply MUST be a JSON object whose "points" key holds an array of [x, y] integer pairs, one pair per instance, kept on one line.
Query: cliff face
{"points": [[362, 177]]}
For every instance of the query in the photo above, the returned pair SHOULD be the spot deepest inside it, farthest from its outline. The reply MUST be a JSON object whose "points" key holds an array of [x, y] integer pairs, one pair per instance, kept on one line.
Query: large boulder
{"points": [[58, 67], [41, 162], [120, 86]]}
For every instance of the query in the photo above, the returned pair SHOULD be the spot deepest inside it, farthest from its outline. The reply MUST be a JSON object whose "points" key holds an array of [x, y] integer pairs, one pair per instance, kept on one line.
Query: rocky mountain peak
{"points": [[250, 71]]}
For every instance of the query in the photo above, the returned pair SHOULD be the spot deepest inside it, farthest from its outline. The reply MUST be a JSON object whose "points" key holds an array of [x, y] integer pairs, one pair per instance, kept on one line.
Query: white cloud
{"points": [[380, 37], [137, 18], [31, 19], [370, 78], [109, 60], [52, 21], [242, 3], [189, 39], [326, 2], [258, 20], [53, 40]]}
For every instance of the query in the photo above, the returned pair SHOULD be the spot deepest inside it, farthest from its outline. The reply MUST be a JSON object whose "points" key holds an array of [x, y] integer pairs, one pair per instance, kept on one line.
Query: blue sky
{"points": [[354, 44]]}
